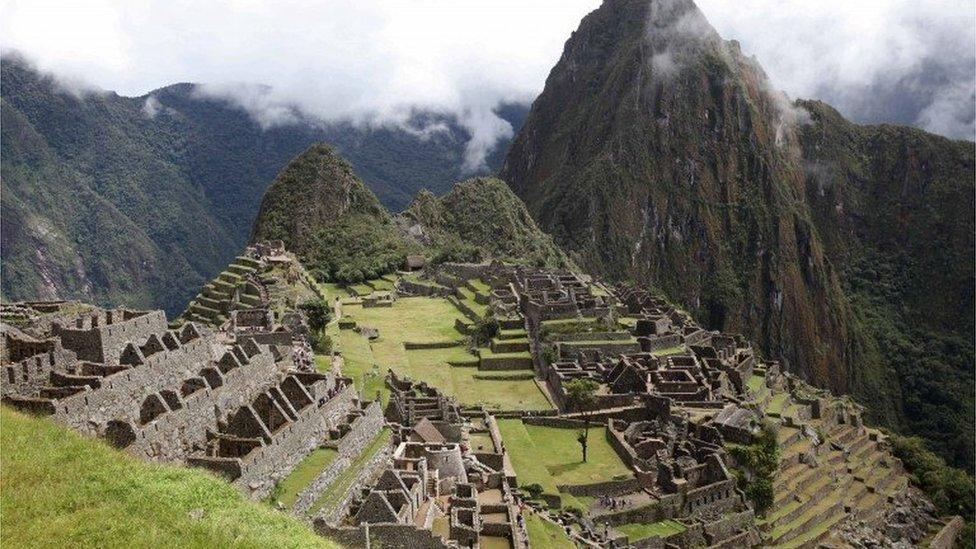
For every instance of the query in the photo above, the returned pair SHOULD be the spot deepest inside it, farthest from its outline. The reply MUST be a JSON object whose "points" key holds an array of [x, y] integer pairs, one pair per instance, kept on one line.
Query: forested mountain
{"points": [[323, 212], [140, 200], [658, 151]]}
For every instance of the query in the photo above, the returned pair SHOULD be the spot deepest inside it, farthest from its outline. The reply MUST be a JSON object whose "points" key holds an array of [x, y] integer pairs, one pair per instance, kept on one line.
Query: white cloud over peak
{"points": [[375, 61]]}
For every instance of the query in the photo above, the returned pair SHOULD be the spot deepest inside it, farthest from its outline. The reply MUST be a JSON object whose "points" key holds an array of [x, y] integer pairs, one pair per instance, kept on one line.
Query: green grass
{"points": [[468, 299], [546, 535], [423, 319], [288, 489], [551, 457], [755, 383], [330, 497], [59, 489], [662, 528], [777, 402], [480, 286], [677, 349]]}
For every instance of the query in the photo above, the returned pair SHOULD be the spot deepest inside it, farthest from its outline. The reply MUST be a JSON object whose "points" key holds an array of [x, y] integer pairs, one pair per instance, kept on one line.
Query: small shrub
{"points": [[534, 490]]}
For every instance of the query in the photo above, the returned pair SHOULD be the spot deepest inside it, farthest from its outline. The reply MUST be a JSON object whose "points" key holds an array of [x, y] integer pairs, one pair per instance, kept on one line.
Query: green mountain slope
{"points": [[181, 182], [658, 151], [325, 214], [60, 489], [481, 213]]}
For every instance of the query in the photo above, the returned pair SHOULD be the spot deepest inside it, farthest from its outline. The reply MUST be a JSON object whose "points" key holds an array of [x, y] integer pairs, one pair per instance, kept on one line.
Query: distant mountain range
{"points": [[140, 200]]}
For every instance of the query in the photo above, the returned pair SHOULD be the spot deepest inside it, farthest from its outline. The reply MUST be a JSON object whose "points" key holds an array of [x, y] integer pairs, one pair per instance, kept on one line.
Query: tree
{"points": [[581, 394], [318, 313]]}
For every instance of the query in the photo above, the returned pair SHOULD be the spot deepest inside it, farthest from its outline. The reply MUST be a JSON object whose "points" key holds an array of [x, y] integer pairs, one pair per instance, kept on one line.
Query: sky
{"points": [[372, 61]]}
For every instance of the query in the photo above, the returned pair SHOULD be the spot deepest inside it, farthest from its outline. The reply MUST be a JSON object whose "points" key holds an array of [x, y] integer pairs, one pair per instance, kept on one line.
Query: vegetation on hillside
{"points": [[845, 251], [324, 213], [951, 490], [59, 489], [480, 219], [758, 463], [109, 202]]}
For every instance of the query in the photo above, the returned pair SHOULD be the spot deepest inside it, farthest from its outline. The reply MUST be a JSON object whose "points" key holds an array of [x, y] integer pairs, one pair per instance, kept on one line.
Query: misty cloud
{"points": [[899, 61], [378, 63]]}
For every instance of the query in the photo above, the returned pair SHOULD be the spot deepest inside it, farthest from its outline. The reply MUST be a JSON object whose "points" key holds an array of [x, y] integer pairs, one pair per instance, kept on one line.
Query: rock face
{"points": [[658, 151]]}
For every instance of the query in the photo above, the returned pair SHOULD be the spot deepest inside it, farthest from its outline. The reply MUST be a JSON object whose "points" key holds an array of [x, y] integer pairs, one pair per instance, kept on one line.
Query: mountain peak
{"points": [[321, 185]]}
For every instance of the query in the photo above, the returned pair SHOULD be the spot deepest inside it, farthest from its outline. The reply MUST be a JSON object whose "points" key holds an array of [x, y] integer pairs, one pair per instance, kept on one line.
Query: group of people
{"points": [[610, 502]]}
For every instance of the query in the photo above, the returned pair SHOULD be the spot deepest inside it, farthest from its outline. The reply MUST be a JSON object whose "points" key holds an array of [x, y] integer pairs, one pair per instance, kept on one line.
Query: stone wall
{"points": [[393, 536], [265, 466], [429, 290], [370, 469], [590, 336], [570, 349], [362, 431], [101, 337], [174, 434], [123, 394], [946, 537]]}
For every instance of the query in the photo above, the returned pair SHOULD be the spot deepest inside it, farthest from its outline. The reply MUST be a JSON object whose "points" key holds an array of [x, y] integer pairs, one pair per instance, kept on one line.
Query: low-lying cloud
{"points": [[377, 62]]}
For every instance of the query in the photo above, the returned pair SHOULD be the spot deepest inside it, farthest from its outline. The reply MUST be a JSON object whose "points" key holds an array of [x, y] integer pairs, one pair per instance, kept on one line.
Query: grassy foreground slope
{"points": [[59, 489]]}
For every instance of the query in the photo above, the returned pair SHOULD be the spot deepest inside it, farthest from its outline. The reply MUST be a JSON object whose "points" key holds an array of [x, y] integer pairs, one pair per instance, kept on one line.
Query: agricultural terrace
{"points": [[452, 369]]}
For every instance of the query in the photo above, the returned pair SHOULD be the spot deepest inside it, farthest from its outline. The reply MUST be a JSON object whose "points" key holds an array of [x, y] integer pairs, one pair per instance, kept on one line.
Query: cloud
{"points": [[901, 61], [368, 62], [377, 62]]}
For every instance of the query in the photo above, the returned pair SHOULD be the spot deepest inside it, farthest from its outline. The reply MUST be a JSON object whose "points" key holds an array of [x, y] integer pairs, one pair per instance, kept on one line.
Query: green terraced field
{"points": [[546, 535], [423, 319], [334, 492], [662, 529]]}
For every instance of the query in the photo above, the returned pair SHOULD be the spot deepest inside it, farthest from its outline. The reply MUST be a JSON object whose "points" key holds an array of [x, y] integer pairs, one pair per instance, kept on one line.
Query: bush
{"points": [[458, 252], [760, 459], [484, 331], [318, 313], [950, 489], [321, 343], [534, 490]]}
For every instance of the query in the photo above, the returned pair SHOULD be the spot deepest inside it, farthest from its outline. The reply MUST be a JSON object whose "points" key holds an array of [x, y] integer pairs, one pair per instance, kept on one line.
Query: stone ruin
{"points": [[231, 402], [445, 484]]}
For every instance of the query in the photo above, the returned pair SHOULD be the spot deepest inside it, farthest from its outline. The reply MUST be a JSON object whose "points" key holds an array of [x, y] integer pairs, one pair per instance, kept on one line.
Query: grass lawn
{"points": [[546, 535], [468, 299], [777, 403], [288, 489], [551, 457], [423, 319], [755, 383], [59, 489], [480, 285], [677, 349], [330, 497], [662, 528]]}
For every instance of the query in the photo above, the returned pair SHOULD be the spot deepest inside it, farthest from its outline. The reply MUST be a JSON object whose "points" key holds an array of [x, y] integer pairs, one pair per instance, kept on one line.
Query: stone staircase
{"points": [[849, 476], [213, 304]]}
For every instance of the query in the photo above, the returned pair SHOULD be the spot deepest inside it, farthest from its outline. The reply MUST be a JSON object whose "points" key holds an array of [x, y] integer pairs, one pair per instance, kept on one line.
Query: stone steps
{"points": [[247, 261], [509, 345], [42, 406], [824, 507]]}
